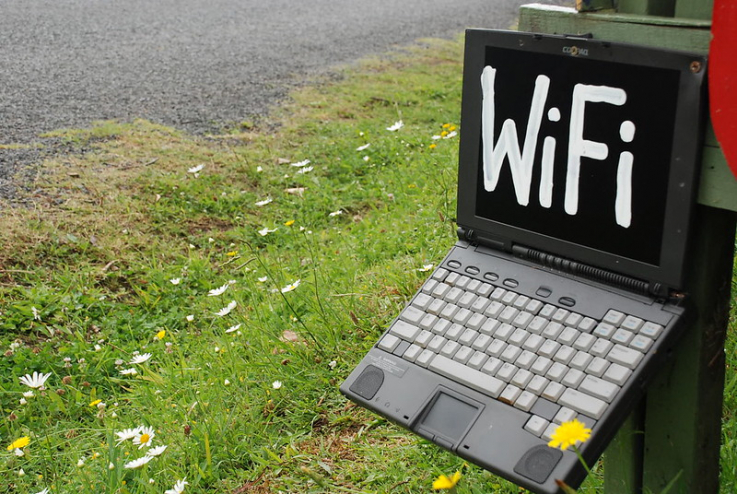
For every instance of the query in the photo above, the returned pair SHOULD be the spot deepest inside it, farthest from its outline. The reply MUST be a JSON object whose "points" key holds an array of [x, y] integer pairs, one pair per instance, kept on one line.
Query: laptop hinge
{"points": [[590, 272]]}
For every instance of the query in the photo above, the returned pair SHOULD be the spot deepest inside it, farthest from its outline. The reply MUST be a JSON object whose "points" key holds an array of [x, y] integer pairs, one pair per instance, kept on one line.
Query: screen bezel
{"points": [[685, 153]]}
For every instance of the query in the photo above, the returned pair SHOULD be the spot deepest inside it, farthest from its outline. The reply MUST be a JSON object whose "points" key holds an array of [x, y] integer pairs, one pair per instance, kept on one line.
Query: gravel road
{"points": [[192, 64]]}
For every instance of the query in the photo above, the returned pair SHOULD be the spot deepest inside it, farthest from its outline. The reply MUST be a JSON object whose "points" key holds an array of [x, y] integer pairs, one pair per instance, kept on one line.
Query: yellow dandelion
{"points": [[444, 133], [19, 443], [452, 128], [94, 403], [433, 146], [445, 483], [568, 434], [232, 253], [160, 335], [289, 223], [445, 126]]}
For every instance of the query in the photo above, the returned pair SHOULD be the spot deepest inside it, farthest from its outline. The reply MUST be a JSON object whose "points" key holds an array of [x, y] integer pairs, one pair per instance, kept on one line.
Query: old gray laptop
{"points": [[578, 162]]}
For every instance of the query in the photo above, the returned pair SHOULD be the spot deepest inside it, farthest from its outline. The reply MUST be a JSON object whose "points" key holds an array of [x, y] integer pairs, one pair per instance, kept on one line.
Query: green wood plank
{"points": [[694, 9], [647, 7], [684, 402], [624, 456], [719, 188]]}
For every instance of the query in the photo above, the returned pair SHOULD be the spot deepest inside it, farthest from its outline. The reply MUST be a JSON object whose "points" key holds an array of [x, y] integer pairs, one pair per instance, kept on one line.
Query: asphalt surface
{"points": [[193, 64]]}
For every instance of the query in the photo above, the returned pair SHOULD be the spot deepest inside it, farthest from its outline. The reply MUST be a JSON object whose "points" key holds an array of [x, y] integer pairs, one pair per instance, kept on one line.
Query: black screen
{"points": [[639, 129]]}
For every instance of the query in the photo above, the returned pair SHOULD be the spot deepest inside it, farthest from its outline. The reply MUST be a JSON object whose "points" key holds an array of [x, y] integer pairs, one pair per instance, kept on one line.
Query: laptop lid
{"points": [[581, 150]]}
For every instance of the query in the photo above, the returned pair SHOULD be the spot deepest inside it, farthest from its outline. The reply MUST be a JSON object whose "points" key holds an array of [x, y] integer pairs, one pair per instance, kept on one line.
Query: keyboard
{"points": [[551, 362]]}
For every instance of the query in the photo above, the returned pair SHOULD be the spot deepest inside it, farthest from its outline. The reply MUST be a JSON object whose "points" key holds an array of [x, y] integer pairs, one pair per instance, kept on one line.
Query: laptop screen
{"points": [[580, 148]]}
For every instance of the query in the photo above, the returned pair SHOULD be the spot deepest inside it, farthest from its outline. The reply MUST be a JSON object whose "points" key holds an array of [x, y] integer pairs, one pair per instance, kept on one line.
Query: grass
{"points": [[125, 242]]}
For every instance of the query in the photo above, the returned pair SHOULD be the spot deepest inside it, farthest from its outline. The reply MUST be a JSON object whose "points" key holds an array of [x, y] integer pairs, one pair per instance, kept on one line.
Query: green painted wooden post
{"points": [[674, 435]]}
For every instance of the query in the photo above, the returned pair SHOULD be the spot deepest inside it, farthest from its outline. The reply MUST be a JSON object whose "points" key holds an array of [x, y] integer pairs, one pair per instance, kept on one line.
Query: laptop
{"points": [[564, 293]]}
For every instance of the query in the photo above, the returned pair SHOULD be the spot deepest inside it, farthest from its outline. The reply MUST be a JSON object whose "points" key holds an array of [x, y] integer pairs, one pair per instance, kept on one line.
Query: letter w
{"points": [[520, 162]]}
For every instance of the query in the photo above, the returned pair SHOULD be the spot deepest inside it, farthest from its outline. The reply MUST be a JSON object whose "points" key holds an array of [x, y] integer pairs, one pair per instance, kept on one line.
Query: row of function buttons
{"points": [[542, 292]]}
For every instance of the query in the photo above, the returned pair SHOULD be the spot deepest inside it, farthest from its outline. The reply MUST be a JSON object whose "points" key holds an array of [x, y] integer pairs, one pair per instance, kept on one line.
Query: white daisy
{"points": [[80, 462], [450, 135], [301, 164], [175, 281], [226, 310], [28, 394], [157, 450], [233, 329], [36, 315], [263, 279], [178, 487], [190, 318], [144, 437], [306, 169], [129, 372], [276, 384], [132, 465], [425, 268], [139, 359], [265, 231], [196, 169], [35, 381], [45, 491], [291, 286], [126, 434], [219, 291], [336, 213], [361, 148], [264, 202], [396, 126]]}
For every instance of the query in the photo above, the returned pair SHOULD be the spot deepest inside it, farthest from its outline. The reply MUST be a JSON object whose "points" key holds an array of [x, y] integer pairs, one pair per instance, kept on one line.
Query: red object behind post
{"points": [[723, 78]]}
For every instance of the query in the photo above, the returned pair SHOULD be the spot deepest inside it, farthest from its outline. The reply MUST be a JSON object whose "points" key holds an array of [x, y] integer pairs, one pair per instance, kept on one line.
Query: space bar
{"points": [[474, 379]]}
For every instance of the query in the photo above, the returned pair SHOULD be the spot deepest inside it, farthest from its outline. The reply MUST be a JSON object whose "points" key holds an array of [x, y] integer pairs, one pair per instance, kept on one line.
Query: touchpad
{"points": [[448, 416]]}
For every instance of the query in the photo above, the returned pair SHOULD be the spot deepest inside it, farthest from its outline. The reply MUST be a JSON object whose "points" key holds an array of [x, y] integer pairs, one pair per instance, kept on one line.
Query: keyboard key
{"points": [[600, 348], [545, 409], [564, 354], [632, 323], [472, 378], [449, 349], [617, 374], [584, 342], [536, 425], [477, 360], [463, 282], [429, 321], [440, 290], [604, 330], [449, 311], [481, 343], [622, 336], [573, 378], [441, 326], [518, 337], [622, 355], [484, 290], [480, 305], [422, 301], [405, 331], [468, 337], [401, 348], [389, 342], [506, 372], [537, 385], [568, 336], [511, 353], [497, 294], [651, 330], [425, 358], [556, 372], [412, 353], [467, 300], [525, 359], [453, 295], [429, 286], [522, 320], [436, 306], [599, 388], [565, 414], [462, 316], [552, 330], [533, 306], [473, 286], [424, 338], [549, 430], [614, 317], [489, 327], [494, 310], [580, 361], [525, 401], [548, 348], [641, 343], [454, 332], [560, 315], [509, 298], [533, 343], [452, 278], [541, 365], [508, 314], [463, 354], [522, 378], [547, 311], [440, 274], [587, 325], [521, 301], [475, 321], [504, 331], [437, 344], [510, 394], [537, 325], [597, 367], [553, 391], [495, 348], [491, 366], [583, 403], [573, 319], [412, 315]]}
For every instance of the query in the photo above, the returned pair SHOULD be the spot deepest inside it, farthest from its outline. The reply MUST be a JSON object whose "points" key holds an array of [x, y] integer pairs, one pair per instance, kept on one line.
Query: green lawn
{"points": [[254, 284]]}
